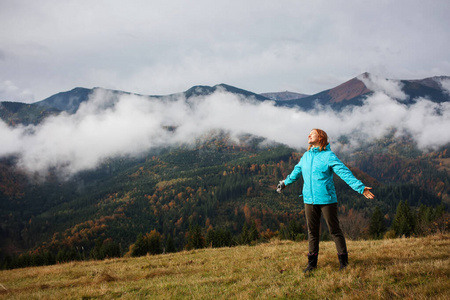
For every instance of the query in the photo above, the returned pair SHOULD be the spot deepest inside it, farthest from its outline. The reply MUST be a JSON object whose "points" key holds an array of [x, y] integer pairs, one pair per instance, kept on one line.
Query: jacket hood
{"points": [[316, 149]]}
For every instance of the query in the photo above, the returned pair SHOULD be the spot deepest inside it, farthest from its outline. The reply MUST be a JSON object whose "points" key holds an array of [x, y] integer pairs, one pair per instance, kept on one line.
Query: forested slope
{"points": [[216, 185]]}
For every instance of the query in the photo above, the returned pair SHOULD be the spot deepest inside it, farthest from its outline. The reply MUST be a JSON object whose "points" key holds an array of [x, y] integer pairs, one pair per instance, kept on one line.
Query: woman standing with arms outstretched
{"points": [[317, 166]]}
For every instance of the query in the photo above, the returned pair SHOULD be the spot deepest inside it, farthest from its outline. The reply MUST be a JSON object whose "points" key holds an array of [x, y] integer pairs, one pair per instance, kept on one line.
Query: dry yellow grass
{"points": [[412, 268]]}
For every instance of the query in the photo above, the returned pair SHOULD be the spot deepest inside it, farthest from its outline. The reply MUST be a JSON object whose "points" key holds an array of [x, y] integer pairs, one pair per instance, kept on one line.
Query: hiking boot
{"points": [[312, 262], [343, 260]]}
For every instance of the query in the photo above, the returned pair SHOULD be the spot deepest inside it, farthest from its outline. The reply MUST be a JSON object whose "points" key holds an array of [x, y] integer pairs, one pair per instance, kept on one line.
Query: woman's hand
{"points": [[367, 193], [280, 186]]}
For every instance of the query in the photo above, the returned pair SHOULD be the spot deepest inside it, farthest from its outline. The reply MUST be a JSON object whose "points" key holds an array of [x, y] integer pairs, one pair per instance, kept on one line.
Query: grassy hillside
{"points": [[408, 268]]}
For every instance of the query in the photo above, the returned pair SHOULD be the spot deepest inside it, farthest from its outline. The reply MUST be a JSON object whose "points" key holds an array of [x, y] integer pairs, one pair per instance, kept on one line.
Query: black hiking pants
{"points": [[329, 212]]}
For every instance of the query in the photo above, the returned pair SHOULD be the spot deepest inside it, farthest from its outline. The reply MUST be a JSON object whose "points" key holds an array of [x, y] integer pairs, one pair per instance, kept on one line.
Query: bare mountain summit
{"points": [[348, 90]]}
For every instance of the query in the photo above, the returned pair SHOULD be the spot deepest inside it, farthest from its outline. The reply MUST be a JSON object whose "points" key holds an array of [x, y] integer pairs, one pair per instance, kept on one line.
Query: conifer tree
{"points": [[154, 242], [111, 249], [427, 217], [195, 238], [295, 230], [244, 238], [219, 238], [377, 226], [61, 256], [403, 223], [225, 238], [283, 232], [254, 234], [170, 245], [96, 252], [140, 246], [210, 238]]}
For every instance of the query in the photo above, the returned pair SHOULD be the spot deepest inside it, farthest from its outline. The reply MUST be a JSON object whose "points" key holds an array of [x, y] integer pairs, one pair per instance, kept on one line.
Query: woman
{"points": [[319, 195]]}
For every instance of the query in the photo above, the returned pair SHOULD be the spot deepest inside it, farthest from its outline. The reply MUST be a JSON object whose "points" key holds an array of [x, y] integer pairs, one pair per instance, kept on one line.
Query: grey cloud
{"points": [[161, 47]]}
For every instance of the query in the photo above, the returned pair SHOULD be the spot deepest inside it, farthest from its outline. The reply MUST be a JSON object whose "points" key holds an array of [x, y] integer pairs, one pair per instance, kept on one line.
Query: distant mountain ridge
{"points": [[432, 82], [354, 91], [351, 92], [201, 90], [67, 101]]}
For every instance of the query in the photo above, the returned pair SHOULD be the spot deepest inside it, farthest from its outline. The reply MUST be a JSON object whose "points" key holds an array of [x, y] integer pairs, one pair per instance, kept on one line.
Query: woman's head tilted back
{"points": [[318, 138]]}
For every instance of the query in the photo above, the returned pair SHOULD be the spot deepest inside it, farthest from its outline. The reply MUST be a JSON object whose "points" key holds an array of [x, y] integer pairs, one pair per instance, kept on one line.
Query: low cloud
{"points": [[128, 125], [392, 88], [445, 84]]}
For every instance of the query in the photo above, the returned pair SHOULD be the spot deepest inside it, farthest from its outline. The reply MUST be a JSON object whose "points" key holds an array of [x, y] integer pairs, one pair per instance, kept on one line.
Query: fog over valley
{"points": [[110, 125]]}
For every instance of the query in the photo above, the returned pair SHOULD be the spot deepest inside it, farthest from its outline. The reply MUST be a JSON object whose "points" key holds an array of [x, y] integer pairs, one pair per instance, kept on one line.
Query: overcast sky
{"points": [[163, 47]]}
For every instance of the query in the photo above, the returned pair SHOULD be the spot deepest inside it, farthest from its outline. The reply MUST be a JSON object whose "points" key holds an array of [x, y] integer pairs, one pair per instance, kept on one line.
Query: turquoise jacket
{"points": [[317, 169]]}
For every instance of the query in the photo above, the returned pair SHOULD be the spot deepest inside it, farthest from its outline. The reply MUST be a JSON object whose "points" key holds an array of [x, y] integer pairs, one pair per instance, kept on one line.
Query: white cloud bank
{"points": [[107, 126]]}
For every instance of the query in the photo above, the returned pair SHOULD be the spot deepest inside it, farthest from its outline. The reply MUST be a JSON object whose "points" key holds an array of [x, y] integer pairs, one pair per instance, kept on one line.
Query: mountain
{"points": [[67, 101], [284, 96], [351, 92], [354, 91], [201, 90], [429, 88], [432, 82], [348, 90], [15, 113], [71, 100]]}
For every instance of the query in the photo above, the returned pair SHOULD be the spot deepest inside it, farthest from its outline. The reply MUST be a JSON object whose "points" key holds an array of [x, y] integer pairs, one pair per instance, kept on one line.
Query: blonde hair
{"points": [[323, 139]]}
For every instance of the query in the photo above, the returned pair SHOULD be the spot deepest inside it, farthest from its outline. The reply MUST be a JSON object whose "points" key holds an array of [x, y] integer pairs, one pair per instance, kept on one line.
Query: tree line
{"points": [[407, 222]]}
